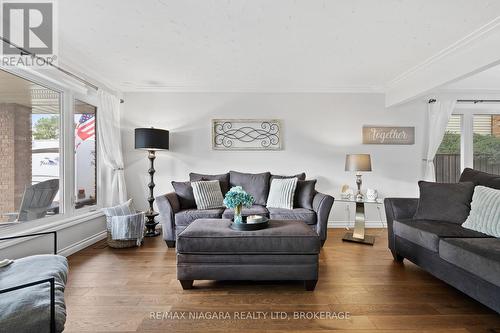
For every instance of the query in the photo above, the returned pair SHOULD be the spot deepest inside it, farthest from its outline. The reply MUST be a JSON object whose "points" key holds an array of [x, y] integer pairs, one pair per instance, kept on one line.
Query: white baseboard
{"points": [[80, 245], [368, 224]]}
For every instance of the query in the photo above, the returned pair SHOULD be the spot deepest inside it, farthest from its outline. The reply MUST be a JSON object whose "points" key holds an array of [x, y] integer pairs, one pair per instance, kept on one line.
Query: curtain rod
{"points": [[475, 101], [23, 51]]}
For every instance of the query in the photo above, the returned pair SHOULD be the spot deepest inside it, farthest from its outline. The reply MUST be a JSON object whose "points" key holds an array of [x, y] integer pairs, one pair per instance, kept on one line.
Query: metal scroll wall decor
{"points": [[246, 134]]}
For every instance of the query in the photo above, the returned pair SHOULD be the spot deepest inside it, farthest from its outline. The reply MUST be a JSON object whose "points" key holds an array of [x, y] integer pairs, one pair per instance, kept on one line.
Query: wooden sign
{"points": [[388, 135]]}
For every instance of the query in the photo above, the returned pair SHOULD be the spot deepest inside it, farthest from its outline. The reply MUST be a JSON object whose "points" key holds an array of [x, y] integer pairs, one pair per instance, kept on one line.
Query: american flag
{"points": [[86, 126]]}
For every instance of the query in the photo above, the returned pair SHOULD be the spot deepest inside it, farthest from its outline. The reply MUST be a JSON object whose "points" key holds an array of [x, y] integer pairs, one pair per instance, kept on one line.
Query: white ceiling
{"points": [[488, 80], [260, 45]]}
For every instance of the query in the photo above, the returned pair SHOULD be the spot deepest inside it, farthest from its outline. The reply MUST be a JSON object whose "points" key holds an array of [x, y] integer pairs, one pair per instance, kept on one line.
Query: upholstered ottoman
{"points": [[208, 249]]}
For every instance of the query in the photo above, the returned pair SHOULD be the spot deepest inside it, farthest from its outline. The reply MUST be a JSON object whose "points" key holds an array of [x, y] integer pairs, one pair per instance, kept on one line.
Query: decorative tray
{"points": [[250, 226]]}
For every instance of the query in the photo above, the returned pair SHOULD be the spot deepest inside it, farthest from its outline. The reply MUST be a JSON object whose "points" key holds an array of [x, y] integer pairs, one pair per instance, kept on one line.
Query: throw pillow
{"points": [[122, 209], [184, 192], [480, 178], [485, 211], [444, 202], [304, 194], [207, 194], [256, 184], [222, 178], [300, 176], [281, 193]]}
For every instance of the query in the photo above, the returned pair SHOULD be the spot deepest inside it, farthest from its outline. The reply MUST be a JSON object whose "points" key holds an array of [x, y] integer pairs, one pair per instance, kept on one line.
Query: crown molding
{"points": [[239, 88], [471, 54]]}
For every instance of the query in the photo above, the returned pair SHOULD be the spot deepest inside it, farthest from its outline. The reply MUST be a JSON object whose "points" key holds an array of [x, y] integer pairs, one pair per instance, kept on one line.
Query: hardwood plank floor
{"points": [[116, 290]]}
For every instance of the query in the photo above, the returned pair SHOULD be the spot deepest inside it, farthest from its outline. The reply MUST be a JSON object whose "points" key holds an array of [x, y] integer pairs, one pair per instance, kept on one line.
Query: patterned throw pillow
{"points": [[485, 211], [207, 194], [125, 208], [281, 193]]}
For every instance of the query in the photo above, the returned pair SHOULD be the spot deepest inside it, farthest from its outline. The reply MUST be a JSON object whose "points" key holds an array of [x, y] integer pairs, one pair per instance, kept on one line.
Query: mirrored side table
{"points": [[358, 235]]}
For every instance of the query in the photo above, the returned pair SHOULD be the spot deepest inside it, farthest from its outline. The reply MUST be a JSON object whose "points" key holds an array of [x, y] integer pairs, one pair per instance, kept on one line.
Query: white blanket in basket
{"points": [[127, 227]]}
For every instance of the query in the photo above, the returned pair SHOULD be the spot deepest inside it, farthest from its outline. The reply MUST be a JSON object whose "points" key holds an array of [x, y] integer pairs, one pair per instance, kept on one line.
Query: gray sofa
{"points": [[466, 259], [176, 210]]}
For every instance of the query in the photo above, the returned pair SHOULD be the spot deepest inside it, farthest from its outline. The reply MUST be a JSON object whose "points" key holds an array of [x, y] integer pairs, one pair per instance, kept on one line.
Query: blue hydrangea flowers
{"points": [[236, 196]]}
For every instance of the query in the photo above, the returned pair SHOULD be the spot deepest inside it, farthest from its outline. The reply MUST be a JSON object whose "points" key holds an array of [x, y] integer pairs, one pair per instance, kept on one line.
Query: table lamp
{"points": [[358, 163], [152, 140]]}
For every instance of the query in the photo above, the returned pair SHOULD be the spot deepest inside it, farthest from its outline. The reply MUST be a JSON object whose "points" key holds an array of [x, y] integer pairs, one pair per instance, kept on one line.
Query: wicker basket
{"points": [[120, 244]]}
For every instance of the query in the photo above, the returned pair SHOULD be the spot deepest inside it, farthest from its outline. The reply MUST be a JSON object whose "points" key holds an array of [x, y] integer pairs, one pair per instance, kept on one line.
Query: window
{"points": [[447, 162], [486, 143], [472, 140], [30, 131], [85, 154], [48, 151]]}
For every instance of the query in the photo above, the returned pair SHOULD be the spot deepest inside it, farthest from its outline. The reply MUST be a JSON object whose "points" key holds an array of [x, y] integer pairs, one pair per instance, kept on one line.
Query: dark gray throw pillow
{"points": [[480, 178], [222, 178], [304, 194], [256, 184], [184, 192], [300, 176], [444, 202]]}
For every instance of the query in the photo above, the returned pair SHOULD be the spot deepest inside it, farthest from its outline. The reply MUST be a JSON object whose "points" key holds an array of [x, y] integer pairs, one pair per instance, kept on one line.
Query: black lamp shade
{"points": [[151, 139]]}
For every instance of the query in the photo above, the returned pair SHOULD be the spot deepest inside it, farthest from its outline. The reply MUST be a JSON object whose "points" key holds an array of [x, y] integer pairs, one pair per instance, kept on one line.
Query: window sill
{"points": [[44, 225]]}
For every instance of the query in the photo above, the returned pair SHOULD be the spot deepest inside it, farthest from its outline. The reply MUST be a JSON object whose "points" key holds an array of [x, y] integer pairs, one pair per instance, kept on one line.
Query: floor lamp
{"points": [[152, 140]]}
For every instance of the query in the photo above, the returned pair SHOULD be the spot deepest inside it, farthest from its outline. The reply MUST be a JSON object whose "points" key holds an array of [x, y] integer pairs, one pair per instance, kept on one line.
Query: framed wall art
{"points": [[246, 134]]}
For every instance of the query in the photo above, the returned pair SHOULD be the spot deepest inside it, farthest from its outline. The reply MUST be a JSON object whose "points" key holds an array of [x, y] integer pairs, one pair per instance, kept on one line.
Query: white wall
{"points": [[318, 130]]}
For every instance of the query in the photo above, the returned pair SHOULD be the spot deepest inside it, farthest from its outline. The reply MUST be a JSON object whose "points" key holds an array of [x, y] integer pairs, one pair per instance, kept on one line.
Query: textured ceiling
{"points": [[260, 45]]}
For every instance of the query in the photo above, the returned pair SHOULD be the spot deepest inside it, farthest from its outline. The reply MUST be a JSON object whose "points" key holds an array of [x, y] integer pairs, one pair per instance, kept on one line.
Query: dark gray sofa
{"points": [[174, 218], [466, 259]]}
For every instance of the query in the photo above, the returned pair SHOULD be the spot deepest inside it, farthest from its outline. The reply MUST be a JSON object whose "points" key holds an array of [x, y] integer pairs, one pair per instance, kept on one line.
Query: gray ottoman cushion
{"points": [[28, 310], [301, 214], [185, 217], [479, 256], [427, 233], [256, 184], [254, 210], [214, 236]]}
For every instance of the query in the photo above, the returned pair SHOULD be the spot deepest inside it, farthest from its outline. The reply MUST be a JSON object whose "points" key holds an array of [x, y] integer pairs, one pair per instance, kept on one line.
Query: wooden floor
{"points": [[116, 290]]}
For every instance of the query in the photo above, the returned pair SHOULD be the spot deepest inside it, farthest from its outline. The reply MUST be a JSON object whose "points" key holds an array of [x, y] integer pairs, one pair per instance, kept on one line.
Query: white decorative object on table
{"points": [[347, 192], [255, 219], [371, 194]]}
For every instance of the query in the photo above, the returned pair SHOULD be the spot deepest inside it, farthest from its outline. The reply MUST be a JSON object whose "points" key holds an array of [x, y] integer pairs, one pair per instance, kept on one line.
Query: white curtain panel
{"points": [[438, 114], [113, 188]]}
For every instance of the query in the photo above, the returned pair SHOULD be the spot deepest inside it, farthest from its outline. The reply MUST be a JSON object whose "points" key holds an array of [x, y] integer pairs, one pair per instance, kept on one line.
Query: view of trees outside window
{"points": [[486, 143], [486, 147]]}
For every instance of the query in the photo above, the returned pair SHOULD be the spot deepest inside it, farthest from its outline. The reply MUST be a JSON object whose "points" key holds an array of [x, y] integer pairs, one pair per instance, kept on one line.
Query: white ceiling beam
{"points": [[472, 54]]}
